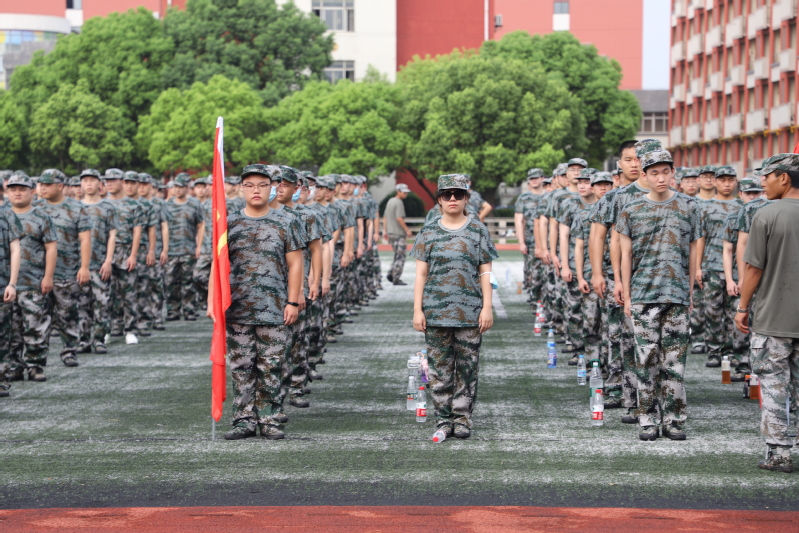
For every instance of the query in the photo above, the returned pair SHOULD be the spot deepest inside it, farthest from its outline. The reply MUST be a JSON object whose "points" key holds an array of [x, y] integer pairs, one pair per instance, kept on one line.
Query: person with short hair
{"points": [[525, 218], [771, 264], [396, 232], [10, 234]]}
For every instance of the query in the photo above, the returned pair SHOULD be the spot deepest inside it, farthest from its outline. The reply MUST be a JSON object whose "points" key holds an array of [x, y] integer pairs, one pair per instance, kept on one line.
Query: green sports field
{"points": [[132, 428]]}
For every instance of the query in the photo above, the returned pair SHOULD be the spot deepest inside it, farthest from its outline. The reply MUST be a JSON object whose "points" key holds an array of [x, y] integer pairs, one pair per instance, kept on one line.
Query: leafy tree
{"points": [[611, 115], [74, 129], [273, 49], [347, 128], [179, 131], [491, 117], [12, 128], [414, 207]]}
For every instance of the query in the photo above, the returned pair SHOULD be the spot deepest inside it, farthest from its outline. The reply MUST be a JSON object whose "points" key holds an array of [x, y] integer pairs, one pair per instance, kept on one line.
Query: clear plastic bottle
{"points": [[581, 371], [439, 436], [596, 380], [421, 405], [725, 370], [597, 408], [537, 326], [410, 404], [552, 351]]}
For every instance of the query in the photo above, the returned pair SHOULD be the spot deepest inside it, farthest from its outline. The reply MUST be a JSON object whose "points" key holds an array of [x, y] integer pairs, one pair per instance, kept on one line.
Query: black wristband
{"points": [[295, 304]]}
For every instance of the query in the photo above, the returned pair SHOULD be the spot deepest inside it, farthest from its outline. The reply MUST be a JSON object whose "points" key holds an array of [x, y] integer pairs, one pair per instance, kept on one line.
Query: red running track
{"points": [[361, 519]]}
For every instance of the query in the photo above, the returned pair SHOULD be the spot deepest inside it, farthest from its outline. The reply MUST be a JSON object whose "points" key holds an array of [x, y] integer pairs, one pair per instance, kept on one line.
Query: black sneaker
{"points": [[400, 282], [701, 348], [172, 318], [297, 401], [649, 433], [739, 377], [674, 432], [190, 318], [240, 431], [36, 373], [70, 360], [461, 432], [313, 375], [5, 390], [306, 390], [116, 333], [84, 348], [629, 417], [573, 361], [390, 277], [280, 417], [158, 326], [614, 403], [714, 361], [144, 332], [18, 374]]}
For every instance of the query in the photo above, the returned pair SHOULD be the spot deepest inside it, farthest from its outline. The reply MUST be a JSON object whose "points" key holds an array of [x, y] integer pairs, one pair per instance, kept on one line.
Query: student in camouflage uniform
{"points": [[771, 263], [10, 234], [154, 303], [186, 228], [38, 256], [479, 208], [689, 181], [234, 202], [719, 313], [94, 303], [658, 235], [452, 303], [396, 232], [525, 217], [265, 286], [124, 293], [146, 257], [73, 227], [707, 191], [202, 270]]}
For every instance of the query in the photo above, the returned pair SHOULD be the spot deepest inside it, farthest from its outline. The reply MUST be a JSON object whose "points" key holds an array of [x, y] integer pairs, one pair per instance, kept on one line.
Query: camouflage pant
{"points": [[661, 346], [316, 338], [534, 274], [257, 356], [453, 356], [775, 360], [735, 342], [31, 344], [622, 380], [155, 293], [716, 304], [398, 243], [376, 265], [93, 310], [591, 332], [6, 317], [124, 293], [698, 317], [296, 370], [553, 301], [64, 301], [202, 271], [573, 300], [180, 286]]}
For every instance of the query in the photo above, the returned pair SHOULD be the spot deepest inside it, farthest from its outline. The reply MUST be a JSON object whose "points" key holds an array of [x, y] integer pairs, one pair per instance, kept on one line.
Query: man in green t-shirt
{"points": [[771, 264], [396, 232]]}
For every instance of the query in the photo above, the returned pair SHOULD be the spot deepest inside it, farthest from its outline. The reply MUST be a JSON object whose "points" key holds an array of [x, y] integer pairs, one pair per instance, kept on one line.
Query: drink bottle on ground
{"points": [[581, 372], [597, 408], [439, 436], [421, 405], [725, 370], [552, 351], [410, 398]]}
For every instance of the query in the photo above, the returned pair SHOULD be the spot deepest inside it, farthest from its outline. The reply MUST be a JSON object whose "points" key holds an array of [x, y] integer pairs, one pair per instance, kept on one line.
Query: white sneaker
{"points": [[107, 338], [130, 338]]}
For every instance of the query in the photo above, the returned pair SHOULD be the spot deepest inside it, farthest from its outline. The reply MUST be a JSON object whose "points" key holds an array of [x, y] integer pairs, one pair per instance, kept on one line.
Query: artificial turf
{"points": [[132, 428]]}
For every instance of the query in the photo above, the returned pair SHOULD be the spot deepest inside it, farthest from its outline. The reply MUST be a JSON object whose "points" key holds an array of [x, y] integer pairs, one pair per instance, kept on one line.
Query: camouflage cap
{"points": [[201, 181], [586, 173], [560, 170], [145, 178], [74, 181], [5, 174], [601, 177], [725, 171], [678, 174], [783, 162], [19, 173], [182, 180], [647, 145], [690, 172], [289, 174], [653, 158], [114, 174], [52, 175], [750, 185], [346, 178], [323, 182], [577, 161], [20, 179], [235, 180], [90, 172], [534, 173], [615, 172], [307, 174], [335, 177], [707, 169], [453, 181], [547, 180], [130, 175], [363, 180], [270, 171]]}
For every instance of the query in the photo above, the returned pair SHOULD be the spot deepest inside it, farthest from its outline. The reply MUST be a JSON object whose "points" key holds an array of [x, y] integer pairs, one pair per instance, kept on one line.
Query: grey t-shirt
{"points": [[394, 209], [773, 246]]}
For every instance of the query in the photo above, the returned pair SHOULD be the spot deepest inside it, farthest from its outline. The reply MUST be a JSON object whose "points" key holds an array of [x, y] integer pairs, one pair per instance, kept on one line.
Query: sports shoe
{"points": [[734, 362], [739, 377], [280, 417], [106, 339], [297, 401], [84, 348], [699, 348], [629, 417], [390, 277], [649, 433], [306, 390], [271, 432], [190, 318], [36, 373], [172, 318], [70, 360], [778, 459], [130, 338], [144, 332], [714, 361], [561, 340], [18, 374], [573, 361], [239, 431], [115, 333], [100, 348], [331, 338], [400, 282], [5, 387], [158, 326], [614, 403], [313, 375], [674, 431], [461, 432]]}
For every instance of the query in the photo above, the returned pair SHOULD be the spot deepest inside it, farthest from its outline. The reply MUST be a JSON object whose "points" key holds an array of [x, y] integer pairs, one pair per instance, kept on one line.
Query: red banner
{"points": [[220, 276]]}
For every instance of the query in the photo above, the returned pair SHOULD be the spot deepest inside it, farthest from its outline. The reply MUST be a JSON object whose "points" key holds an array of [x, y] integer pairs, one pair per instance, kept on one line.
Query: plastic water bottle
{"points": [[552, 351], [537, 326], [596, 380], [725, 370], [421, 405], [439, 436], [597, 408], [424, 368], [581, 373], [410, 404]]}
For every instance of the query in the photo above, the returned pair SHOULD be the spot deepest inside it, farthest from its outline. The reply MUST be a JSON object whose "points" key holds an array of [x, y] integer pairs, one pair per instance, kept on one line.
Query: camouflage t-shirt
{"points": [[433, 214], [475, 201], [129, 215], [162, 215], [580, 229], [322, 214], [453, 296], [661, 233], [543, 205], [257, 248], [523, 197], [234, 205], [10, 230], [623, 196], [528, 207], [599, 215], [208, 237], [149, 219], [104, 219], [748, 212], [37, 230], [310, 230], [568, 213], [713, 215], [70, 219], [183, 221], [729, 230]]}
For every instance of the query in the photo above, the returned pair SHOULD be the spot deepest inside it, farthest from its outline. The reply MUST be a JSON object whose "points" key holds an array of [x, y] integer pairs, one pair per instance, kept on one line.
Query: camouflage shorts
{"points": [[775, 360]]}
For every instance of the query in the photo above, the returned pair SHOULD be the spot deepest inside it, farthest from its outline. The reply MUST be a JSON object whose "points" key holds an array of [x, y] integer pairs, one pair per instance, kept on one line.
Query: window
{"points": [[655, 123], [338, 15], [74, 4], [561, 8], [340, 70]]}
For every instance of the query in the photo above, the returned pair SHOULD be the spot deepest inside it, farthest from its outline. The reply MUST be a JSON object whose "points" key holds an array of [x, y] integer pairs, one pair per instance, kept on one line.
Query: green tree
{"points": [[611, 115], [274, 49], [491, 117], [12, 128], [74, 129], [178, 134], [349, 128]]}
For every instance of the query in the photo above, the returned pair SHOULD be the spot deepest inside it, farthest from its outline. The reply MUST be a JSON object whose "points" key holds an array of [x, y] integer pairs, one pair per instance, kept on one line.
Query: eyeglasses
{"points": [[457, 194], [260, 186]]}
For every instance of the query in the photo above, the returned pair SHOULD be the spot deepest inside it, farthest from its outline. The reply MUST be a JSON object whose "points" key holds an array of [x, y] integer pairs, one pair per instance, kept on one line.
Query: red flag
{"points": [[220, 276], [796, 148]]}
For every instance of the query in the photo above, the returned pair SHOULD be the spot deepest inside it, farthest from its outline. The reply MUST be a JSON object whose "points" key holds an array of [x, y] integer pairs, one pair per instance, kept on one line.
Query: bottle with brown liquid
{"points": [[725, 370], [754, 387]]}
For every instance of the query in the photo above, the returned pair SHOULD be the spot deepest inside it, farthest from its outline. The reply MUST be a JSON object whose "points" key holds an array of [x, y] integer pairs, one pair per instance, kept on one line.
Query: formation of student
{"points": [[639, 267]]}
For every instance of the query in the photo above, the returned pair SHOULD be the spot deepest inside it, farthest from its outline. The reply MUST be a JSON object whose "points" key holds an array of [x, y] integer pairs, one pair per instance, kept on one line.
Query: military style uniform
{"points": [[202, 269], [184, 219], [10, 230]]}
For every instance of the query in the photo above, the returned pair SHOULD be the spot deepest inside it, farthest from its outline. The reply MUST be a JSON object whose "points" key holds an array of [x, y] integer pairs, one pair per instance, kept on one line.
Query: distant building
{"points": [[733, 81]]}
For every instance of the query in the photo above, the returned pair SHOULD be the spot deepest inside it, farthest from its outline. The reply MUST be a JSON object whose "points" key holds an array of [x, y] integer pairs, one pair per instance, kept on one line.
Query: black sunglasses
{"points": [[458, 194]]}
